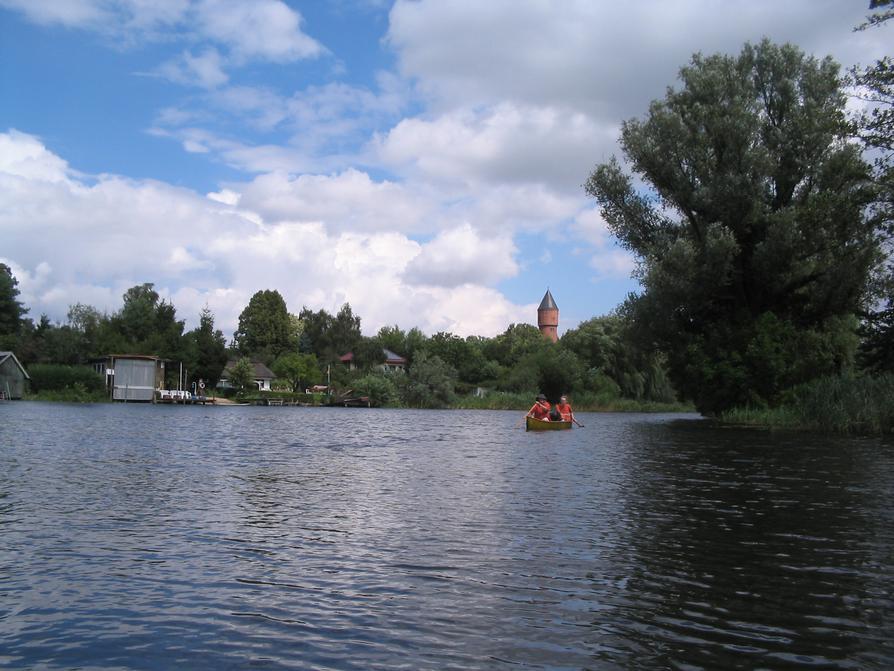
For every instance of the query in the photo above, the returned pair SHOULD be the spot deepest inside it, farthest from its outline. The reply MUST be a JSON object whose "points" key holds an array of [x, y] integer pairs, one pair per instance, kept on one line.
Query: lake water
{"points": [[159, 537]]}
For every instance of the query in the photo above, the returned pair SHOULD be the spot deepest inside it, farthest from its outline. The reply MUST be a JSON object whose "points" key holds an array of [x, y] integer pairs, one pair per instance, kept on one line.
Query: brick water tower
{"points": [[548, 317]]}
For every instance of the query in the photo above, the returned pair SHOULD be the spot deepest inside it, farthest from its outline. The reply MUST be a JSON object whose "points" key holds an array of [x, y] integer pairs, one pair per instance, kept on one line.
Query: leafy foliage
{"points": [[330, 337], [242, 374], [875, 85], [430, 382], [368, 353], [266, 329], [54, 377], [12, 312], [300, 370], [207, 349], [381, 389], [756, 228], [609, 350]]}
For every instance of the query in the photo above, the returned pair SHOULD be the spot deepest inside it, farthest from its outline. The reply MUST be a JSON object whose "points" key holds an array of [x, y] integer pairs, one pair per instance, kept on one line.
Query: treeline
{"points": [[596, 359]]}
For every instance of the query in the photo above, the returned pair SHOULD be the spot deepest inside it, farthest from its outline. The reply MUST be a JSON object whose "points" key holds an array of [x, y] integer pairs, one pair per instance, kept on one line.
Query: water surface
{"points": [[151, 537]]}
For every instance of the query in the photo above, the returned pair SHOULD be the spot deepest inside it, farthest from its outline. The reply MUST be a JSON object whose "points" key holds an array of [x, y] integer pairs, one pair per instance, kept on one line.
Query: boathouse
{"points": [[13, 376], [132, 377]]}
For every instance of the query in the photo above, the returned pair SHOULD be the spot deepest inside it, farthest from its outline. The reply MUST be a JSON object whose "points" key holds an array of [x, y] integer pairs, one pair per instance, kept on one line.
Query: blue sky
{"points": [[421, 160]]}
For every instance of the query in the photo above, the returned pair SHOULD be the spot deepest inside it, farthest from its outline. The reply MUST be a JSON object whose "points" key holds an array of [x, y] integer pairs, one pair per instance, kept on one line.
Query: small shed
{"points": [[262, 376], [13, 376], [132, 377]]}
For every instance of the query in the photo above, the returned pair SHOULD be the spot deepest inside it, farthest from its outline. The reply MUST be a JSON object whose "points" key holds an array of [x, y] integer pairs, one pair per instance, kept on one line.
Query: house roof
{"points": [[390, 357], [260, 371], [548, 303], [9, 355]]}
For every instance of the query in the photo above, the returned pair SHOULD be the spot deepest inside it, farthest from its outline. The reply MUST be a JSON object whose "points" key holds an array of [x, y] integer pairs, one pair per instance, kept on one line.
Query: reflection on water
{"points": [[159, 537]]}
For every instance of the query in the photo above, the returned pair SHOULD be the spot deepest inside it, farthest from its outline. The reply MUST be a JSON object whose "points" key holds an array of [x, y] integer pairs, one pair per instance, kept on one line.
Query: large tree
{"points": [[208, 349], [12, 312], [344, 333], [751, 234], [266, 329], [875, 85]]}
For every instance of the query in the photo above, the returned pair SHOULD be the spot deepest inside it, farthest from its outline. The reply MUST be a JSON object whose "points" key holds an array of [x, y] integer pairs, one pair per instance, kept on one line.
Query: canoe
{"points": [[533, 424]]}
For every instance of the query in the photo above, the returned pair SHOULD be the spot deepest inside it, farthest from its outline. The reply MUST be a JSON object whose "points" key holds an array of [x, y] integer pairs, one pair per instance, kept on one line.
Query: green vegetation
{"points": [[298, 370], [849, 405], [582, 402], [755, 244], [12, 312], [265, 328], [52, 382], [242, 374], [763, 238]]}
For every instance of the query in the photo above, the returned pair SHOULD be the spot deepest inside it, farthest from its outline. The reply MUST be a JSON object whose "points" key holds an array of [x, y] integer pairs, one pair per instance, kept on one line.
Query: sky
{"points": [[423, 161]]}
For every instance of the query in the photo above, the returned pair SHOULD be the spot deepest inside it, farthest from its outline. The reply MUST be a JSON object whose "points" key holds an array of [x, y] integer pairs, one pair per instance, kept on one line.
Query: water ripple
{"points": [[139, 537]]}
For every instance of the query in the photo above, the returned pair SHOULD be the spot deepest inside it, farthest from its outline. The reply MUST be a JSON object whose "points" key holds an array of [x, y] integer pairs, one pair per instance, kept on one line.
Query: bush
{"points": [[47, 377], [429, 383], [381, 390]]}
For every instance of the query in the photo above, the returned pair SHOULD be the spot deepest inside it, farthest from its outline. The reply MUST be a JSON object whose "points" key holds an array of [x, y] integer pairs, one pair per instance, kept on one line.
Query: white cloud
{"points": [[268, 30], [506, 143], [204, 70], [461, 256], [265, 29], [112, 233], [73, 13], [225, 196], [607, 60], [24, 156], [350, 200]]}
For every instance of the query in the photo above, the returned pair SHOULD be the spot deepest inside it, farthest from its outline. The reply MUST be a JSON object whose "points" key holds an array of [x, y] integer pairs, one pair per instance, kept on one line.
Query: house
{"points": [[13, 376], [262, 376], [393, 362], [132, 377]]}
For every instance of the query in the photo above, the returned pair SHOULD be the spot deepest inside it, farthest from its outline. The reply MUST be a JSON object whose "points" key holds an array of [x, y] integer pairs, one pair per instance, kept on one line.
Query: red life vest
{"points": [[540, 410], [564, 410]]}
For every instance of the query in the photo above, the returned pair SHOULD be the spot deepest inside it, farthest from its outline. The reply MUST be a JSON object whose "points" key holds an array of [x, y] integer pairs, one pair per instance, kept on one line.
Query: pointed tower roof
{"points": [[548, 303]]}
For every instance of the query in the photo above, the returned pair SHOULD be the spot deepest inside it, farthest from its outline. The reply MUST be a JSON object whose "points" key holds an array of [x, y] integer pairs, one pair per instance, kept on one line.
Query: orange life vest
{"points": [[540, 410], [564, 410]]}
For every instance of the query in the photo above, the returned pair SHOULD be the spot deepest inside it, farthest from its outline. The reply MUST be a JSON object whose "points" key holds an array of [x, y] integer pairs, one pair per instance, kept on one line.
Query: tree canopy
{"points": [[12, 312], [266, 329], [753, 241], [875, 85]]}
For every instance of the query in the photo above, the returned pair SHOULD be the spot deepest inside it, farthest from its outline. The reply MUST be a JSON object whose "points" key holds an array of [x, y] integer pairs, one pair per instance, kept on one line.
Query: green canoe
{"points": [[532, 424]]}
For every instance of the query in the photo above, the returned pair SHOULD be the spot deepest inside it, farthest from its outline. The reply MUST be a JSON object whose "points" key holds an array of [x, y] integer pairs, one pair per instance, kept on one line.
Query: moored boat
{"points": [[534, 424]]}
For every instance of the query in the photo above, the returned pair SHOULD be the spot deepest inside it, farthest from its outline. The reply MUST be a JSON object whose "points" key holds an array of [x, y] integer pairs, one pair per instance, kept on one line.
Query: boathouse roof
{"points": [[5, 356]]}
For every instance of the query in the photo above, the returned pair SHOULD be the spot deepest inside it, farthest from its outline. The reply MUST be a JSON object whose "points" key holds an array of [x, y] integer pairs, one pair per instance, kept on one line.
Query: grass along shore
{"points": [[847, 405], [583, 402]]}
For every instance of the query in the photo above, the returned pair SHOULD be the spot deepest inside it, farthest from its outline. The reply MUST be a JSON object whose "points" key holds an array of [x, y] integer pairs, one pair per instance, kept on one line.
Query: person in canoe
{"points": [[565, 410], [540, 409]]}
